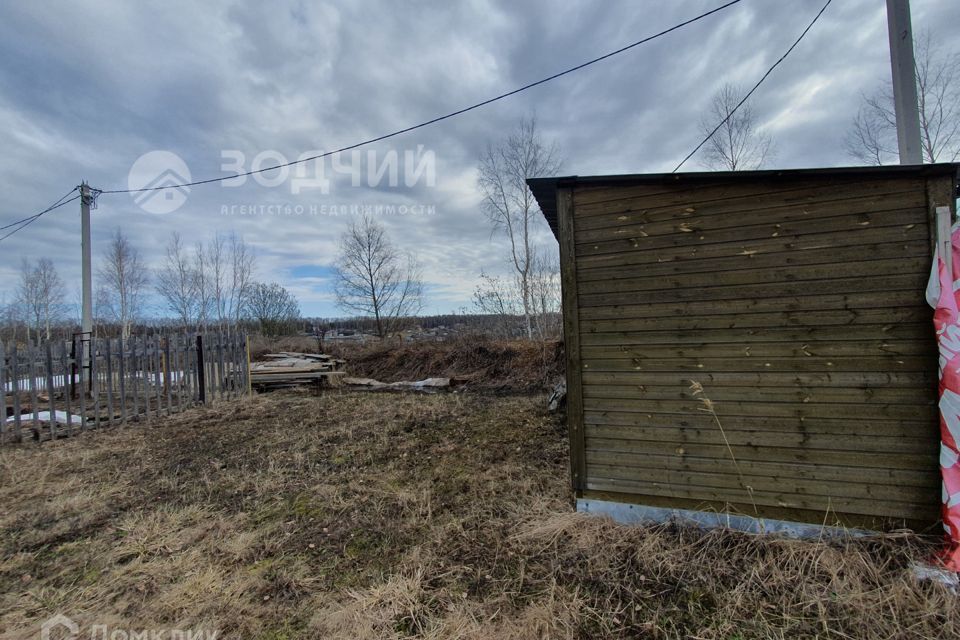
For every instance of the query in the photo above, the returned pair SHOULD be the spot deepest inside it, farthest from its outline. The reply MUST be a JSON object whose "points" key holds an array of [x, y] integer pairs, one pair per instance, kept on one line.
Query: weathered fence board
{"points": [[15, 376], [32, 355], [59, 388], [67, 381], [3, 396]]}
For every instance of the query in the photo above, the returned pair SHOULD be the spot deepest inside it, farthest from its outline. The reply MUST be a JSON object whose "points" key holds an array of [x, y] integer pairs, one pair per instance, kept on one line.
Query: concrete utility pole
{"points": [[904, 81], [86, 319]]}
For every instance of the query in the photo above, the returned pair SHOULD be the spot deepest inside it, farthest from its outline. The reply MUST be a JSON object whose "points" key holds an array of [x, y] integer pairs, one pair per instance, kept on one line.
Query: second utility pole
{"points": [[904, 81]]}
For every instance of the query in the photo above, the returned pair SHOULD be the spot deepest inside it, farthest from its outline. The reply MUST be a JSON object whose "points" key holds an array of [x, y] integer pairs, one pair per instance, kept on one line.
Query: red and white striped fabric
{"points": [[943, 296]]}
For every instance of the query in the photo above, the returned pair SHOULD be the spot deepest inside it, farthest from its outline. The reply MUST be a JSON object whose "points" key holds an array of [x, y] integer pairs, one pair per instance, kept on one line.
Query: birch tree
{"points": [[738, 145], [9, 317], [872, 138], [203, 285], [233, 266], [40, 294], [210, 283], [374, 279], [508, 202], [123, 282], [500, 298], [216, 252], [176, 282], [545, 293]]}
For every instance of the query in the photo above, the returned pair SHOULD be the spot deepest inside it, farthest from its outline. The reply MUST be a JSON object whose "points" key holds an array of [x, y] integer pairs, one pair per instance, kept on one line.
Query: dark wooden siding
{"points": [[798, 307]]}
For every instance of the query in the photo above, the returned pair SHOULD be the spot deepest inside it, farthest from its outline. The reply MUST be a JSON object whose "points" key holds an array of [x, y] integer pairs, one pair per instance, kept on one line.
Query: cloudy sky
{"points": [[87, 88]]}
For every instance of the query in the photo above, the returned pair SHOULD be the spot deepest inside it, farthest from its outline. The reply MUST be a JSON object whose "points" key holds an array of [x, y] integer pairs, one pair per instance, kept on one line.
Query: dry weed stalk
{"points": [[697, 390]]}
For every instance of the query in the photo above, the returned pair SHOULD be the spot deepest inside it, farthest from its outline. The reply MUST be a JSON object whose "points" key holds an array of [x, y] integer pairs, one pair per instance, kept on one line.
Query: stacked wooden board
{"points": [[286, 369]]}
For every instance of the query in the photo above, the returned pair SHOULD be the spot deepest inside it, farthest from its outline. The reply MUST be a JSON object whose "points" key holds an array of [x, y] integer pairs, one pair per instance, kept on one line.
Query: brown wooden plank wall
{"points": [[799, 308]]}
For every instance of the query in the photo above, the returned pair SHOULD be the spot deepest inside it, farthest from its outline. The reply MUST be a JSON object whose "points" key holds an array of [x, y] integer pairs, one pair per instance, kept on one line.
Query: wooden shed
{"points": [[752, 343]]}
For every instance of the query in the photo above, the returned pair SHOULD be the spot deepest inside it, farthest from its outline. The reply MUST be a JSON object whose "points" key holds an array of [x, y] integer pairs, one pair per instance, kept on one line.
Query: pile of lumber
{"points": [[287, 369], [428, 385]]}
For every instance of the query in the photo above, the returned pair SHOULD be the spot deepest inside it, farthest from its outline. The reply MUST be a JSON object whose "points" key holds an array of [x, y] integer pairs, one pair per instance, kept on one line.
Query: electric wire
{"points": [[32, 219], [37, 215], [439, 118], [750, 93]]}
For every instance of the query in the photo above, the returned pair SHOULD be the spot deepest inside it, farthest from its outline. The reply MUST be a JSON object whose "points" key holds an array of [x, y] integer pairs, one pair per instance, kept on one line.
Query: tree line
{"points": [[205, 286]]}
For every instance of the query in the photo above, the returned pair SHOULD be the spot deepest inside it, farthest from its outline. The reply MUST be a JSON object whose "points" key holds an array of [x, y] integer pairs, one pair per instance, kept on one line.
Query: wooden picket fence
{"points": [[51, 390]]}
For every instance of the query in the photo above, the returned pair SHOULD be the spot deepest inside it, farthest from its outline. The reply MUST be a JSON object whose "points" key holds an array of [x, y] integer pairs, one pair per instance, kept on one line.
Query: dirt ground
{"points": [[361, 515]]}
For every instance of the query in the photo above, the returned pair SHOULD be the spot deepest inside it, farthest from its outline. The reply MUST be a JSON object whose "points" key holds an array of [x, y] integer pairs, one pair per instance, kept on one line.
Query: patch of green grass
{"points": [[304, 505], [290, 630]]}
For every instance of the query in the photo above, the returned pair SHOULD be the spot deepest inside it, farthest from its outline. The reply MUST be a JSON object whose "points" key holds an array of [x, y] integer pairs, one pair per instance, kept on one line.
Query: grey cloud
{"points": [[86, 89]]}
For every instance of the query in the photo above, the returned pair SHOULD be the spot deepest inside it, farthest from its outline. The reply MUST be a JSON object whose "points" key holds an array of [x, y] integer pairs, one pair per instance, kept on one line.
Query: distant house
{"points": [[752, 343]]}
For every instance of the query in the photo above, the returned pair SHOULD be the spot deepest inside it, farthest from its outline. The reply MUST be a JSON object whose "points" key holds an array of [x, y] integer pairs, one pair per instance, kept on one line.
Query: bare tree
{"points": [[51, 291], [868, 139], [216, 253], [177, 283], [738, 145], [234, 264], [500, 298], [872, 138], [375, 279], [12, 317], [209, 284], [123, 281], [40, 294], [507, 201], [273, 307], [545, 293], [203, 285]]}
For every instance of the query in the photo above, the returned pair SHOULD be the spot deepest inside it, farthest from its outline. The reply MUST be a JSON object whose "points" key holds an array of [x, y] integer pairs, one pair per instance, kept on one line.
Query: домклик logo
{"points": [[59, 627]]}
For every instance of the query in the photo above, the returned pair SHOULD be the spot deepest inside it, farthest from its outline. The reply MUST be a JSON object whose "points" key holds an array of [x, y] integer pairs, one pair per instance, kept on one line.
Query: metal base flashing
{"points": [[626, 513]]}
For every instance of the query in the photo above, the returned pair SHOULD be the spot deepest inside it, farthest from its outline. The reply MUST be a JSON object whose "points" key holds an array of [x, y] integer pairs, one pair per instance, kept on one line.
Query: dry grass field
{"points": [[354, 515]]}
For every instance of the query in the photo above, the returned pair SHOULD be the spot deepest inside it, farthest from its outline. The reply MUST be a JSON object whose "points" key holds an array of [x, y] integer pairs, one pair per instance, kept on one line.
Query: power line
{"points": [[443, 117], [13, 224], [37, 215], [759, 82], [28, 221]]}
